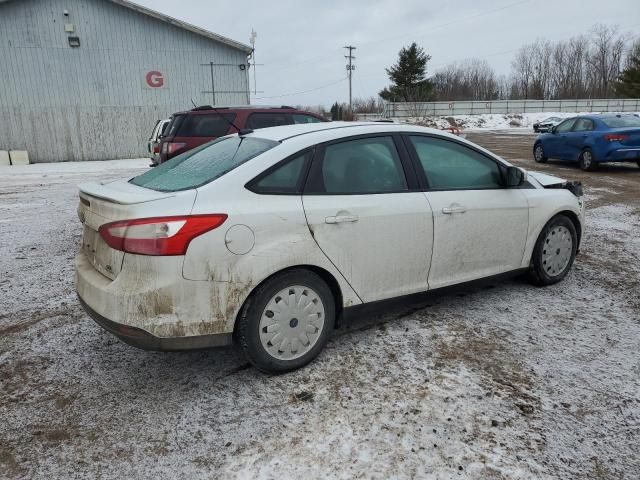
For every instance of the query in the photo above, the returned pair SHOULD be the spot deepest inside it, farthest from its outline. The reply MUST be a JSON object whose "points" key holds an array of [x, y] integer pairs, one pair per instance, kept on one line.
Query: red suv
{"points": [[192, 128]]}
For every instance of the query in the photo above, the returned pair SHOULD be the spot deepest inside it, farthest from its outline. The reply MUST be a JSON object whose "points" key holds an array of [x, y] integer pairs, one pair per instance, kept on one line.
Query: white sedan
{"points": [[265, 238]]}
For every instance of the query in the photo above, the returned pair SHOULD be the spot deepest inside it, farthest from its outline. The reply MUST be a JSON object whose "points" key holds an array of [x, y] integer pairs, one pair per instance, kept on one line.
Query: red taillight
{"points": [[158, 235], [615, 137], [173, 147], [156, 149]]}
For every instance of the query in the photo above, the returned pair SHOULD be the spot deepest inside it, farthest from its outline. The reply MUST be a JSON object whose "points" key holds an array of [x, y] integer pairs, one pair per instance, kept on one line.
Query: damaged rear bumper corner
{"points": [[140, 338]]}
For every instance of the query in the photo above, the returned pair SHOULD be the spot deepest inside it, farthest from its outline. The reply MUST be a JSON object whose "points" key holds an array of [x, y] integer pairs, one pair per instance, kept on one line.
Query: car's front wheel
{"points": [[554, 252], [538, 153], [286, 321], [586, 160]]}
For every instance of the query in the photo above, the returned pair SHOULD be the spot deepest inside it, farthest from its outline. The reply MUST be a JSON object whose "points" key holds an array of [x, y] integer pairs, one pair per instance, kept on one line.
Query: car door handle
{"points": [[341, 219], [453, 209]]}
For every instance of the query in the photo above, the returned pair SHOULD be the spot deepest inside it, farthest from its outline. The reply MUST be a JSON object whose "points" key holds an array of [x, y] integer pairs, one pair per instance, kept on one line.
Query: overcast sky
{"points": [[300, 41]]}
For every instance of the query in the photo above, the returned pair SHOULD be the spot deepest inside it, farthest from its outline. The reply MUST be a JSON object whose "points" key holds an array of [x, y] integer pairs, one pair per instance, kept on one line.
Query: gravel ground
{"points": [[503, 381]]}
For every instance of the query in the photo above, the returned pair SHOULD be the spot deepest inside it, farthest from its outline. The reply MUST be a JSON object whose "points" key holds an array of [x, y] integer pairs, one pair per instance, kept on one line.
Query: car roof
{"points": [[327, 131], [606, 115], [205, 109]]}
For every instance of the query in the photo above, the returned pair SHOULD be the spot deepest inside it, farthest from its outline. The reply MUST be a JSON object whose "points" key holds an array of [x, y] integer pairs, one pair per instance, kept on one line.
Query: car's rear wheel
{"points": [[538, 153], [554, 252], [286, 321], [586, 160]]}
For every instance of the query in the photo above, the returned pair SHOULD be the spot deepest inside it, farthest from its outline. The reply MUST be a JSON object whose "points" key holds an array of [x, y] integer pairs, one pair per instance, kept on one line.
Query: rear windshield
{"points": [[621, 122], [174, 125], [205, 125], [202, 165]]}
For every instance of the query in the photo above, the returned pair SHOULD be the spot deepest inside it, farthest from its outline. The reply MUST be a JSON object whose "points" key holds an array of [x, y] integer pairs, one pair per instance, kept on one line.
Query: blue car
{"points": [[591, 139]]}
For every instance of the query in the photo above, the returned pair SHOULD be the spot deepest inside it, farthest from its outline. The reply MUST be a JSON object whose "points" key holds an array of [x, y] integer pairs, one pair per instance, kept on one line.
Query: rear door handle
{"points": [[453, 209], [341, 219]]}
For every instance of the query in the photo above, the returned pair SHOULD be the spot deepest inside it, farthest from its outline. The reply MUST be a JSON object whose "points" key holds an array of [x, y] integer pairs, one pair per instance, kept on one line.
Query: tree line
{"points": [[602, 63]]}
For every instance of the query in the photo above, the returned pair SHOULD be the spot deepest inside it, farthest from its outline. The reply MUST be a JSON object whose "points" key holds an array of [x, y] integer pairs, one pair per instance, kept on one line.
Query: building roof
{"points": [[180, 24]]}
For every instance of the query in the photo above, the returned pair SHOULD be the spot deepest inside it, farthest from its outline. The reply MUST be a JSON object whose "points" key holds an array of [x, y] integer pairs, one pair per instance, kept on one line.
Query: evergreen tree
{"points": [[337, 111], [628, 84], [409, 77]]}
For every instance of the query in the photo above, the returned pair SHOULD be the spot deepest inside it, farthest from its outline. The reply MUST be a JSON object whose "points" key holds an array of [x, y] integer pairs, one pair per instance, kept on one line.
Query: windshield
{"points": [[621, 122], [202, 165]]}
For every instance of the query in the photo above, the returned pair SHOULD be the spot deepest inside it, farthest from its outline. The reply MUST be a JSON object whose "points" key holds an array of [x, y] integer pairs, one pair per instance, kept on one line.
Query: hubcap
{"points": [[538, 153], [556, 252], [292, 322], [586, 158]]}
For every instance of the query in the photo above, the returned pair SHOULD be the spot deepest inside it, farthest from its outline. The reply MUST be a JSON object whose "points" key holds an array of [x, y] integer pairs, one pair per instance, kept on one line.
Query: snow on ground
{"points": [[492, 121], [504, 381]]}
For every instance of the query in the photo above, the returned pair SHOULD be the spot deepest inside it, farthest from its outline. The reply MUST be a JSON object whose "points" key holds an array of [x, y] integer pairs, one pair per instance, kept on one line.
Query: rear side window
{"points": [[301, 118], [202, 165], [622, 122], [583, 125], [363, 166], [266, 119], [283, 179], [208, 125], [449, 165]]}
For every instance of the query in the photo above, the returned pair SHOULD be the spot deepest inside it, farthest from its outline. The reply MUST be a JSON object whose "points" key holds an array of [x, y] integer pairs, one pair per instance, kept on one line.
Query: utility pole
{"points": [[252, 39], [350, 68]]}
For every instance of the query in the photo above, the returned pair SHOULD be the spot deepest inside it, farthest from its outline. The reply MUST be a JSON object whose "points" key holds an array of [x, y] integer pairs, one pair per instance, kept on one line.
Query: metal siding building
{"points": [[100, 100]]}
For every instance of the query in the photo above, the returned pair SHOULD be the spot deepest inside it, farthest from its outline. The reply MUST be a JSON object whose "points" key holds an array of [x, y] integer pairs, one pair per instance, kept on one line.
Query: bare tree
{"points": [[472, 79], [368, 105], [605, 59], [583, 66]]}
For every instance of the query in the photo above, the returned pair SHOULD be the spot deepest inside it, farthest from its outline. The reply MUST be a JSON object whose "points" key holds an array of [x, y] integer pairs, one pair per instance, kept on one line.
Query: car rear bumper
{"points": [[142, 339], [150, 305], [624, 154]]}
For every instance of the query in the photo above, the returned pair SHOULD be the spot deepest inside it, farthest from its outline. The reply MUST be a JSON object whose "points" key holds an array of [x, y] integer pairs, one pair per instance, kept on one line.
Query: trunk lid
{"points": [[632, 134], [102, 203]]}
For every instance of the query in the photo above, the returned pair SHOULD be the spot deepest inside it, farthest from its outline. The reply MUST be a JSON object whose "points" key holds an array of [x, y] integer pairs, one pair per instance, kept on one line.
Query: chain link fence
{"points": [[404, 110]]}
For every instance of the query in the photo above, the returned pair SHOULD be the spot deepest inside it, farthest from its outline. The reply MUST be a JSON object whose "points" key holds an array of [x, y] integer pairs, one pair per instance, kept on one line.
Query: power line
{"points": [[446, 24], [304, 91], [404, 34]]}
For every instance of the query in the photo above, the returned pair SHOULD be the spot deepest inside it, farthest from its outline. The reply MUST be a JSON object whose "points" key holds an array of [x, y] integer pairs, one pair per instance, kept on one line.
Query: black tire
{"points": [[587, 161], [538, 153], [539, 273], [247, 331]]}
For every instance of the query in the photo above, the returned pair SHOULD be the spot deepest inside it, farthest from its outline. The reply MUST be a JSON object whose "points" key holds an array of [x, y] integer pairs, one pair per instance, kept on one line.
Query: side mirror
{"points": [[514, 177]]}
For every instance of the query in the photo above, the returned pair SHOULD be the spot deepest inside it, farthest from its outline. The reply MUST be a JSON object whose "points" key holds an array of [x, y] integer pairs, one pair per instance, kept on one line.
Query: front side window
{"points": [[565, 126], [266, 119], [283, 179], [362, 166], [450, 166], [583, 125], [202, 165]]}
